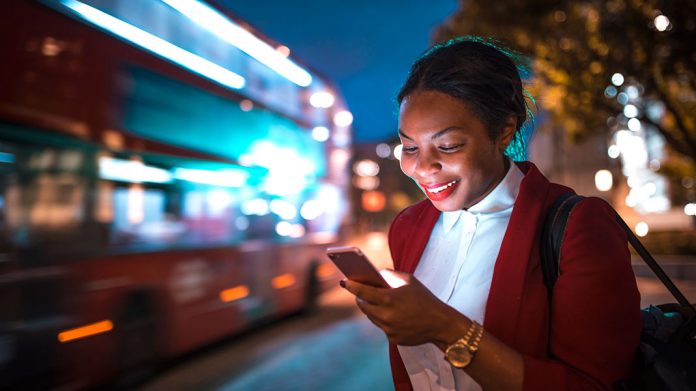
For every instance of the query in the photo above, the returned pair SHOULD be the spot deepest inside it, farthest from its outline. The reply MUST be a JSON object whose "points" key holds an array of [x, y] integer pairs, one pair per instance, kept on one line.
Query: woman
{"points": [[475, 313]]}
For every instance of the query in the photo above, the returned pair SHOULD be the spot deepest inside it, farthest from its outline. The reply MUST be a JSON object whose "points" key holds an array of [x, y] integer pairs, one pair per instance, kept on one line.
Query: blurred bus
{"points": [[168, 177]]}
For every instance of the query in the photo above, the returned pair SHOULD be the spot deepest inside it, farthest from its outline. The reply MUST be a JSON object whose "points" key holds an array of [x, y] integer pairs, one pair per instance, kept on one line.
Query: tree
{"points": [[576, 47]]}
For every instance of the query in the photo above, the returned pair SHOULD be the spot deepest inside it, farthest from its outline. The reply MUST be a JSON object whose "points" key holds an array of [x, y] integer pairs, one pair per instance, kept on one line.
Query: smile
{"points": [[439, 189], [440, 192]]}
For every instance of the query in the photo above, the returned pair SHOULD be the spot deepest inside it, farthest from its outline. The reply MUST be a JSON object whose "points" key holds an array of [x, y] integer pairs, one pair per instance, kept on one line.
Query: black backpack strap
{"points": [[654, 266], [552, 236]]}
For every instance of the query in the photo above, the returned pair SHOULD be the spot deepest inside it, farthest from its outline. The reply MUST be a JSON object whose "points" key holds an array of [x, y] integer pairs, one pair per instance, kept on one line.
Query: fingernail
{"points": [[342, 283]]}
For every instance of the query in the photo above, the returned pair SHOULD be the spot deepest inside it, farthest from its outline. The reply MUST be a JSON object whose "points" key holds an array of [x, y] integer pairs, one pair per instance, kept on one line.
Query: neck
{"points": [[494, 183]]}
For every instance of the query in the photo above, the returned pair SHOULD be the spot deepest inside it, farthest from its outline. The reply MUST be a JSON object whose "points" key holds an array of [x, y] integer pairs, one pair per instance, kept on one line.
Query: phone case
{"points": [[355, 266]]}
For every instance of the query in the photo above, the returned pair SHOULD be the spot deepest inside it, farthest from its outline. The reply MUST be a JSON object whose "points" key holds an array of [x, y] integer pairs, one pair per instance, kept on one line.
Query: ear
{"points": [[509, 130]]}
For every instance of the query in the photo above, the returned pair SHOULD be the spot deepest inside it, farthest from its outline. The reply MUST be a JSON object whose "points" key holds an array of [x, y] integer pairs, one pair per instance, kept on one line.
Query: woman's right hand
{"points": [[409, 314]]}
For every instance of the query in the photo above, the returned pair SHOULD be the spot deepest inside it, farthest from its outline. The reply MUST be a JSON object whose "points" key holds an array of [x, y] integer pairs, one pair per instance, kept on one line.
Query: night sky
{"points": [[365, 46]]}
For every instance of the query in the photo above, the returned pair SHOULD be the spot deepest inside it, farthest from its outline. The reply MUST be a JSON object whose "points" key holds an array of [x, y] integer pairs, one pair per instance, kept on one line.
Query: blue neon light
{"points": [[157, 45], [227, 30]]}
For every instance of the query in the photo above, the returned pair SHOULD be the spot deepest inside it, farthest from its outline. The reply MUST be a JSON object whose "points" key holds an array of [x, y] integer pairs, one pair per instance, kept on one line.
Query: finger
{"points": [[371, 311], [366, 292]]}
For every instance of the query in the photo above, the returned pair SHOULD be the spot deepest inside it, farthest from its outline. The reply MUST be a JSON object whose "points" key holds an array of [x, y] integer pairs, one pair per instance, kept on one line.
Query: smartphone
{"points": [[355, 266]]}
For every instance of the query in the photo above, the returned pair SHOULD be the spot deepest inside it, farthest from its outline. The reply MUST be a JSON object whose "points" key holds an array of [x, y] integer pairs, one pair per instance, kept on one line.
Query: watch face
{"points": [[459, 356]]}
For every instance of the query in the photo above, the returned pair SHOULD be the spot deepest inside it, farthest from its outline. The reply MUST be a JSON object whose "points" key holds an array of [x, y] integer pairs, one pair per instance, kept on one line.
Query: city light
{"points": [[690, 209], [218, 24], [224, 178], [288, 171], [325, 270], [343, 118], [322, 99], [283, 228], [373, 201], [157, 45], [320, 133], [642, 229], [85, 331], [383, 150], [341, 137], [255, 207], [135, 214], [283, 50], [246, 105], [622, 98], [131, 171], [630, 111], [283, 281], [297, 231], [233, 294], [617, 79], [366, 182], [634, 124], [311, 209], [632, 92], [397, 151], [610, 92], [242, 223], [661, 22], [614, 151], [603, 180], [366, 167], [283, 209]]}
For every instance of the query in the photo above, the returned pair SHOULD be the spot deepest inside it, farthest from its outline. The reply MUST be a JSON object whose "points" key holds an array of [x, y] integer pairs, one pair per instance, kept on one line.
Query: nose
{"points": [[426, 164]]}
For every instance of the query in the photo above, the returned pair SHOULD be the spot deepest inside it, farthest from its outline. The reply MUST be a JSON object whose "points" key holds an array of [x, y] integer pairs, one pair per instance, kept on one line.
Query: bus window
{"points": [[43, 192]]}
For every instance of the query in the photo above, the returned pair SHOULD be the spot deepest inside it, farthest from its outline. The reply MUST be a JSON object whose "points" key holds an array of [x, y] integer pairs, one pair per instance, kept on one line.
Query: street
{"points": [[336, 348]]}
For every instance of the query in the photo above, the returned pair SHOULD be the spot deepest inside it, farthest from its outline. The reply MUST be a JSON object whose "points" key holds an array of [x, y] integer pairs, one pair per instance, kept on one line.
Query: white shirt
{"points": [[457, 267]]}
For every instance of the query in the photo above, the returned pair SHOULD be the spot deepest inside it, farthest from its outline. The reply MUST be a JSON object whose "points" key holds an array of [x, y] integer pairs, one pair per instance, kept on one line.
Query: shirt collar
{"points": [[503, 195], [501, 198], [450, 218]]}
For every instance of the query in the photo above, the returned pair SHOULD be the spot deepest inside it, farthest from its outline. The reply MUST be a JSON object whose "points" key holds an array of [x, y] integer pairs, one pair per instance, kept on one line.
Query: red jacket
{"points": [[595, 316]]}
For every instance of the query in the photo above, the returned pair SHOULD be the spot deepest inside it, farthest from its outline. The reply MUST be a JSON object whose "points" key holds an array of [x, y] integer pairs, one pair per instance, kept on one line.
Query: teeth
{"points": [[441, 188]]}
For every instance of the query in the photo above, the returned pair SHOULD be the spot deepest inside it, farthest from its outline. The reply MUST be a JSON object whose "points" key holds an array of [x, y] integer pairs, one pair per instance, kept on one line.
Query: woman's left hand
{"points": [[409, 314]]}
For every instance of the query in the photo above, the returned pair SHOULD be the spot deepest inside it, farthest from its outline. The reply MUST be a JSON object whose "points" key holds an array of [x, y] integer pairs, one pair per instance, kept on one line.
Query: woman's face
{"points": [[447, 150]]}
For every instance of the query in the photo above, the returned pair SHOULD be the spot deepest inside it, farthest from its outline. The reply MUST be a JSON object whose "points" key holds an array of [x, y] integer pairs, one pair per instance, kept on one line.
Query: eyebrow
{"points": [[436, 135]]}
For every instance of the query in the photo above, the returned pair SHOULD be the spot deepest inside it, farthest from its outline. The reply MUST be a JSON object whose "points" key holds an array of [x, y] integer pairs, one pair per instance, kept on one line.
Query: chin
{"points": [[447, 205]]}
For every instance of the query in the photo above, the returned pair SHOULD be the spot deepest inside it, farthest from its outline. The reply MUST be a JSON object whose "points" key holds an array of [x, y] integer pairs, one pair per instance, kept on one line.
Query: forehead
{"points": [[432, 111]]}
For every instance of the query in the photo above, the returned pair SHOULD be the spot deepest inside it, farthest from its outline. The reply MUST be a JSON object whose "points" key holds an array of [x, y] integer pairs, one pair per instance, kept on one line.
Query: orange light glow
{"points": [[325, 270], [373, 201], [283, 281], [236, 293], [85, 331], [283, 50]]}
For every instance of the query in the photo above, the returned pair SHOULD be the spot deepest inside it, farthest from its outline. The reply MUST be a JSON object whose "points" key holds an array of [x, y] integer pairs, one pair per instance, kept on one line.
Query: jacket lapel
{"points": [[507, 286], [419, 236]]}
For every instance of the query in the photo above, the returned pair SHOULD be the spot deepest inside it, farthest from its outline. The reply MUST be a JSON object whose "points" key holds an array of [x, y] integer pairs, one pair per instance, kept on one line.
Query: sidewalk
{"points": [[679, 267]]}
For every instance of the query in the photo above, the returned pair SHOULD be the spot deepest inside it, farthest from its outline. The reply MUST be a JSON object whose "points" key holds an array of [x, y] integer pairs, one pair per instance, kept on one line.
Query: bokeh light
{"points": [[617, 79]]}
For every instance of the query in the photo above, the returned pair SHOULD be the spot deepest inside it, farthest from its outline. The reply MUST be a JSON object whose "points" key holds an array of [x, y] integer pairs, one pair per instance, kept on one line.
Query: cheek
{"points": [[406, 165]]}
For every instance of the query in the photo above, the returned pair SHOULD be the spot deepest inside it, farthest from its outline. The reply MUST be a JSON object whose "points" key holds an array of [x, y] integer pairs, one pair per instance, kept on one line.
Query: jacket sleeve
{"points": [[595, 307]]}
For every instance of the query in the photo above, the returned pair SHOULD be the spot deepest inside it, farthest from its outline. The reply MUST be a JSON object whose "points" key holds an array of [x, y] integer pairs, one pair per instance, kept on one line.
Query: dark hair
{"points": [[483, 75]]}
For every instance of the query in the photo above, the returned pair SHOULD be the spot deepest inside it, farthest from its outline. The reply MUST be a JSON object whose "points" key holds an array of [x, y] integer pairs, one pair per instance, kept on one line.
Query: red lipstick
{"points": [[440, 191]]}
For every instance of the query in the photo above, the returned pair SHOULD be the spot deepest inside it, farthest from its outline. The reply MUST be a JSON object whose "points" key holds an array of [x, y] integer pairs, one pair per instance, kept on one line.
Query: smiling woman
{"points": [[474, 313], [448, 151]]}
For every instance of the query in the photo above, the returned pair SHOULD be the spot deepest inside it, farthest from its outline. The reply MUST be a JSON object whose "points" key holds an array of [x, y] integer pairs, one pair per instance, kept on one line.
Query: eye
{"points": [[450, 148], [408, 150]]}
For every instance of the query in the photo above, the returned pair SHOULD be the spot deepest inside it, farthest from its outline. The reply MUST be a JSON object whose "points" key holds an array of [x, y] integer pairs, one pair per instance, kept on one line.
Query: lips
{"points": [[440, 191]]}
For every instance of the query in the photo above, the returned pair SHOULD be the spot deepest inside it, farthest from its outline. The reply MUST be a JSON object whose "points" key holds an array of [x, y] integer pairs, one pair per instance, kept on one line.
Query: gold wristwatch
{"points": [[461, 353]]}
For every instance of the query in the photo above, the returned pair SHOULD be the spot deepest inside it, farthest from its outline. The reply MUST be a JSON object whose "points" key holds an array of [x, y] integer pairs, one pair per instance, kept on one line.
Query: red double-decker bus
{"points": [[168, 177]]}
